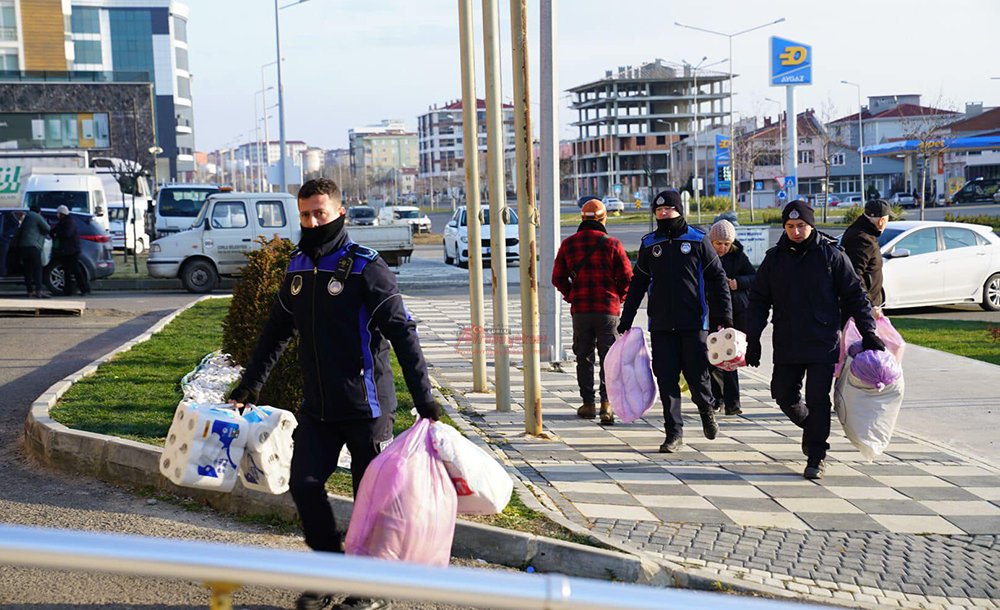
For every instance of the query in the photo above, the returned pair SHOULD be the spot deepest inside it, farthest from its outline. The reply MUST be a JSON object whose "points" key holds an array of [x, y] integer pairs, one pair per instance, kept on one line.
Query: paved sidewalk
{"points": [[917, 528]]}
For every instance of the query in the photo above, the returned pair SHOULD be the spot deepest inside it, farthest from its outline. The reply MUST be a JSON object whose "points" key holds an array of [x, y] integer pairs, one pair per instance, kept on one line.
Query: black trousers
{"points": [[314, 458], [726, 384], [674, 353], [31, 264], [73, 273], [592, 330], [814, 415]]}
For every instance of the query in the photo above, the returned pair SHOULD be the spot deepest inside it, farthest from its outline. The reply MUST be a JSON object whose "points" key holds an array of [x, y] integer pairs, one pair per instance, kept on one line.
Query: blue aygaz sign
{"points": [[791, 62], [723, 165]]}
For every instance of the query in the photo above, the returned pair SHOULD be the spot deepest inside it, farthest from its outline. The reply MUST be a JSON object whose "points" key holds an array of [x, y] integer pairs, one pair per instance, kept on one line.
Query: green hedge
{"points": [[981, 219], [852, 213]]}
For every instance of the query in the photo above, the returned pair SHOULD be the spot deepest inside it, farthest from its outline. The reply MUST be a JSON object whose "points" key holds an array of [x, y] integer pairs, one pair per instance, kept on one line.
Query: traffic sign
{"points": [[618, 189], [782, 195], [790, 182]]}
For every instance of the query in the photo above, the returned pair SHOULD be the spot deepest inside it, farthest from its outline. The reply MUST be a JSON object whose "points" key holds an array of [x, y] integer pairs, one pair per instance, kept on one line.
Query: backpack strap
{"points": [[587, 255]]}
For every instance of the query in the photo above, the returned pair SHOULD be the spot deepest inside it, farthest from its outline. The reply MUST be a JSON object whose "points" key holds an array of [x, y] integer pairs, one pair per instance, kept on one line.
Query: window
{"points": [[270, 214], [180, 29], [85, 20], [806, 156], [868, 160], [8, 61], [958, 238], [87, 51], [640, 140], [837, 159], [229, 215], [183, 87], [661, 140], [98, 197], [920, 242], [8, 23], [182, 59], [805, 141]]}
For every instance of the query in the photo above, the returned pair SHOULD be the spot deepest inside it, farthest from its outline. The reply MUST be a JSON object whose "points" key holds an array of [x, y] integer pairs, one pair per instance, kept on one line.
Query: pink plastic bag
{"points": [[886, 332], [406, 504], [628, 375]]}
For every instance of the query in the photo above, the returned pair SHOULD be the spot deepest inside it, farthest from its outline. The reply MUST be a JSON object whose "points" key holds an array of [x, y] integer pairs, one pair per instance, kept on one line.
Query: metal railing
{"points": [[224, 568]]}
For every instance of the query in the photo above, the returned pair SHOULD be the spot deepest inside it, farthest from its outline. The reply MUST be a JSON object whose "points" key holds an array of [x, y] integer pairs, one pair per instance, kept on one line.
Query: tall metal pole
{"points": [[791, 121], [697, 190], [470, 129], [549, 302], [732, 134], [498, 203], [524, 157], [281, 104]]}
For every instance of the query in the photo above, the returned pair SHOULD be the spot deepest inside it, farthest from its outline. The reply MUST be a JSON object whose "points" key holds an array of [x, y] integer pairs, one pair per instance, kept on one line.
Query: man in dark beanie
{"points": [[809, 283], [680, 270], [860, 242]]}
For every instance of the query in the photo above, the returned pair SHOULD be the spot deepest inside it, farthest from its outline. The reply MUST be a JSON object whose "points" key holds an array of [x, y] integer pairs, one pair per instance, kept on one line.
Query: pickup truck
{"points": [[229, 225]]}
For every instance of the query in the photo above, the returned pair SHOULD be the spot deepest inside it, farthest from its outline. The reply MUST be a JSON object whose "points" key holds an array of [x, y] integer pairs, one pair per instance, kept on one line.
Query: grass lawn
{"points": [[135, 395], [969, 338]]}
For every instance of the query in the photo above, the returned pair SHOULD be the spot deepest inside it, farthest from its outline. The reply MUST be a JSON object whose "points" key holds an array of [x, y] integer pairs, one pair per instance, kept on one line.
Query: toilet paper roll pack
{"points": [[727, 349], [204, 446], [267, 460]]}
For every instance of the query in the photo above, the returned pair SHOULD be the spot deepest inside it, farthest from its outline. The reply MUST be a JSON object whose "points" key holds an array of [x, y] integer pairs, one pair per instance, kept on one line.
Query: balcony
{"points": [[8, 34]]}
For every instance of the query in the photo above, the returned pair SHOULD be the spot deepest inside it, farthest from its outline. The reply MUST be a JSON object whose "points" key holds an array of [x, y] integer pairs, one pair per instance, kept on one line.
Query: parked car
{"points": [[613, 204], [128, 230], [95, 250], [980, 189], [850, 201], [940, 263], [361, 216], [456, 237], [405, 214], [905, 200]]}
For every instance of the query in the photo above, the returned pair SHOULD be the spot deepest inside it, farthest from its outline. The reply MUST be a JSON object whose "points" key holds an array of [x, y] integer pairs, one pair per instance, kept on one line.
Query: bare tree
{"points": [[925, 127], [746, 152], [829, 146]]}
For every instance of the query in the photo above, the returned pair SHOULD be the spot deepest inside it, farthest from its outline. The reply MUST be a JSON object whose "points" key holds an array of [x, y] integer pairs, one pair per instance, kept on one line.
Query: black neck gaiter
{"points": [[671, 226], [313, 238]]}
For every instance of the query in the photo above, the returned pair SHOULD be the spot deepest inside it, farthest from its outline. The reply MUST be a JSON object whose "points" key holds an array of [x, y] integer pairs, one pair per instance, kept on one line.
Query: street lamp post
{"points": [[861, 141], [694, 71], [281, 94], [732, 192]]}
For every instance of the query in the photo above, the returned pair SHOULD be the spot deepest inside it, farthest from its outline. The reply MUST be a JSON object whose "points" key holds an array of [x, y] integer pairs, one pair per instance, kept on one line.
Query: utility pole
{"points": [[550, 303], [498, 203], [470, 129], [524, 157]]}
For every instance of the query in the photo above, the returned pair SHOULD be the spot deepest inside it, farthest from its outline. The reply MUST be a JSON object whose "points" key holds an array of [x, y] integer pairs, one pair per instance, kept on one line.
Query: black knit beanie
{"points": [[798, 210]]}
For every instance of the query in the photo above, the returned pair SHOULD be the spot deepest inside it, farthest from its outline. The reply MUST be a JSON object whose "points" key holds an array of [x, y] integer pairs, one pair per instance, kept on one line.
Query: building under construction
{"points": [[628, 121]]}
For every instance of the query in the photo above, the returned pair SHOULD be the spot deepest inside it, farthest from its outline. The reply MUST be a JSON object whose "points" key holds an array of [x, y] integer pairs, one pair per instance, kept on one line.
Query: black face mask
{"points": [[313, 238], [670, 226]]}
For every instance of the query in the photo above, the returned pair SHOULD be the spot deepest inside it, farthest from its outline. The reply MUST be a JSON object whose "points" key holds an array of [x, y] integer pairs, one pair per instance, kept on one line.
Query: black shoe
{"points": [[363, 603], [708, 424], [673, 444], [313, 601], [815, 472], [717, 406], [733, 410]]}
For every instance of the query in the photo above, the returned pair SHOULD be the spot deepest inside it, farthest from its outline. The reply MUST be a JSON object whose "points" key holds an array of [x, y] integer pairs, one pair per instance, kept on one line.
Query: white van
{"points": [[128, 230], [81, 191], [177, 205]]}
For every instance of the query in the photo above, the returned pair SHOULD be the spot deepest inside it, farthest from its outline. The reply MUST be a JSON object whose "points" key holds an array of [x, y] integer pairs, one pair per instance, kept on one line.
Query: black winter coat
{"points": [[683, 277], [67, 237], [344, 330], [860, 242], [811, 289], [739, 268]]}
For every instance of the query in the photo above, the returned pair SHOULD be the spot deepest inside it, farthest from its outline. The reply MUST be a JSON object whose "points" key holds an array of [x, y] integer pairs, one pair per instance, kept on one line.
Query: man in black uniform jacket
{"points": [[860, 242], [343, 301], [679, 269], [809, 283]]}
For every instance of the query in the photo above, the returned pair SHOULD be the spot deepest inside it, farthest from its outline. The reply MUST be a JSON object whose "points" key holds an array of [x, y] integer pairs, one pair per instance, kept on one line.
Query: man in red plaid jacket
{"points": [[592, 272]]}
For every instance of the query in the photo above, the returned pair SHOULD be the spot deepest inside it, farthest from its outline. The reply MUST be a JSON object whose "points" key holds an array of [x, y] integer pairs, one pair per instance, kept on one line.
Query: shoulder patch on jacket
{"points": [[692, 234], [652, 238], [363, 251]]}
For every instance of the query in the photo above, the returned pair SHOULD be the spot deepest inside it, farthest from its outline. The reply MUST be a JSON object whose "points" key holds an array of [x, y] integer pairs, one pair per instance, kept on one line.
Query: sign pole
{"points": [[793, 139]]}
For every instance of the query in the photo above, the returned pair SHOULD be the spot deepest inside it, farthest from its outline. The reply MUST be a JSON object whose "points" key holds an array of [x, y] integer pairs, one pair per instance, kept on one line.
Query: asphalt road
{"points": [[37, 352]]}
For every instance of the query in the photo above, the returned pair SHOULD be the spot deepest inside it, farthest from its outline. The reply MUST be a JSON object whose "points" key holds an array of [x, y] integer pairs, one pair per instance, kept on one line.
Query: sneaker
{"points": [[587, 411], [708, 423], [607, 415], [366, 603], [313, 601], [673, 444], [717, 406], [733, 410], [815, 472]]}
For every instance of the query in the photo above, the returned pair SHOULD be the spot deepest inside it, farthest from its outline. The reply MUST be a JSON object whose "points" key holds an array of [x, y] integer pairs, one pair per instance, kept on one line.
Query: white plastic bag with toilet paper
{"points": [[727, 349], [267, 460], [628, 376], [204, 446], [482, 484]]}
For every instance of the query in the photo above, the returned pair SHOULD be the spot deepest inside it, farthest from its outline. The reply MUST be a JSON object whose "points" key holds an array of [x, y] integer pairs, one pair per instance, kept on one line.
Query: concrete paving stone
{"points": [[704, 475], [843, 595], [963, 508], [734, 456], [596, 498], [818, 505], [684, 515], [780, 519], [946, 470], [800, 489], [865, 493], [645, 489], [986, 493], [892, 507], [849, 481], [724, 489], [976, 524], [911, 481], [688, 502], [747, 504], [938, 493], [892, 469], [606, 487], [973, 481], [917, 524]]}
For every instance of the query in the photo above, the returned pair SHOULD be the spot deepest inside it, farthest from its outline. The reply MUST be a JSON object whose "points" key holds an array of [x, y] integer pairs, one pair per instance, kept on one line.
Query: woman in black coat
{"points": [[739, 274]]}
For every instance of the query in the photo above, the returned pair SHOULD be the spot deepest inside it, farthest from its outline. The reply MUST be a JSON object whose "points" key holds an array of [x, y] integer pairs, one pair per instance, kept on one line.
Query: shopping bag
{"points": [[894, 342], [406, 504], [482, 484], [867, 414], [628, 376]]}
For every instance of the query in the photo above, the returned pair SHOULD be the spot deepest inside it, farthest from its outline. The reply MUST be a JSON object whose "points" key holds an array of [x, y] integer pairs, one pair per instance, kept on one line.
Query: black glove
{"points": [[622, 327], [431, 411], [871, 341], [718, 323], [244, 395], [753, 352]]}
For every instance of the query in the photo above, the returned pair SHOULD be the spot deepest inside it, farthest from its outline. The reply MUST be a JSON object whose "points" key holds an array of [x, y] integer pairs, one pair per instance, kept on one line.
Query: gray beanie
{"points": [[722, 231]]}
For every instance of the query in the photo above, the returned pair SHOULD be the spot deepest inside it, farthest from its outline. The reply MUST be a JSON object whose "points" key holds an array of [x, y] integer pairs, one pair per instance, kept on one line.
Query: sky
{"points": [[351, 63]]}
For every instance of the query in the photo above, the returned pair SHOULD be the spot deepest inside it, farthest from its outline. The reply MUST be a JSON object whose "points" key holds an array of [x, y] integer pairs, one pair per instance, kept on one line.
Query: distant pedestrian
{"points": [[30, 240], [806, 280], [680, 271], [66, 251], [592, 272], [860, 242], [739, 277]]}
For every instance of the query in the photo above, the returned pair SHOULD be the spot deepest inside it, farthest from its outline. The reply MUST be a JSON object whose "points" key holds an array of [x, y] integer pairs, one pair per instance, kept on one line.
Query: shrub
{"points": [[982, 219], [769, 217], [851, 214], [713, 204], [253, 295]]}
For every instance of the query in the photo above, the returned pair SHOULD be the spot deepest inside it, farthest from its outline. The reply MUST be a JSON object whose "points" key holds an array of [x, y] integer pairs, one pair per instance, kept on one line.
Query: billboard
{"points": [[723, 165], [791, 62], [65, 130]]}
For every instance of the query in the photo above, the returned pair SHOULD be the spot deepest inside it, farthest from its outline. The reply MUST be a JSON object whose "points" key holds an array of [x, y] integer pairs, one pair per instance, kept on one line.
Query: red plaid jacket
{"points": [[602, 282]]}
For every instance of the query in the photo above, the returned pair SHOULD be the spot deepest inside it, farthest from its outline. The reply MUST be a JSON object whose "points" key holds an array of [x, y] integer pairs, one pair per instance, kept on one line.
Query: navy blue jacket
{"points": [[345, 329], [684, 279], [812, 289]]}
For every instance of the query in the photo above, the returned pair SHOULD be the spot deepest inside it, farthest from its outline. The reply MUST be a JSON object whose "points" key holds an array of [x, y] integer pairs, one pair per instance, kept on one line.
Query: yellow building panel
{"points": [[44, 35]]}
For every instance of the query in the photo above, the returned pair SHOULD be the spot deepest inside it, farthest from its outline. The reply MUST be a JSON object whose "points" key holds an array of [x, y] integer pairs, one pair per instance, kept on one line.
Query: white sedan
{"points": [[613, 204], [940, 263]]}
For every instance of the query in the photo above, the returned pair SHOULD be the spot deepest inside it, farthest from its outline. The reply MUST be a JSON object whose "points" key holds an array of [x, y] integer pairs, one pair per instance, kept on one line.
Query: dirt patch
{"points": [[427, 239]]}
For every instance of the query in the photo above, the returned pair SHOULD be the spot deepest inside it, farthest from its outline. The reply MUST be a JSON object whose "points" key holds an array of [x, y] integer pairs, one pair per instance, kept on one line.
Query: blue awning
{"points": [[932, 146]]}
